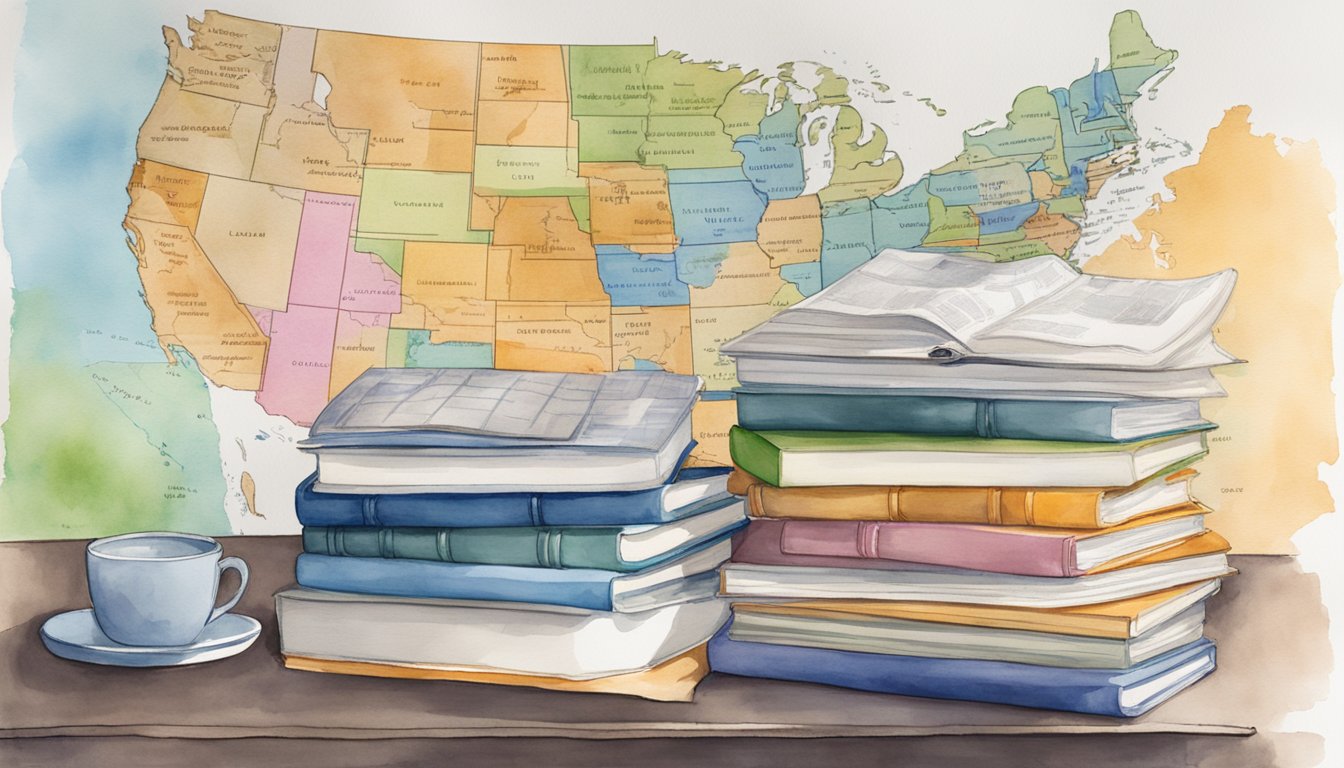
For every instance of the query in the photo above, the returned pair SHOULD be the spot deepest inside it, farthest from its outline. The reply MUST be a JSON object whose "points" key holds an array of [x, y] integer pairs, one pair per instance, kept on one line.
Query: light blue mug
{"points": [[158, 588]]}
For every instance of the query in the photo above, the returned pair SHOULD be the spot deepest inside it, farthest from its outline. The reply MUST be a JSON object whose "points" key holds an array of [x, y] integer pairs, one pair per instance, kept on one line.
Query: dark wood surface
{"points": [[1270, 626]]}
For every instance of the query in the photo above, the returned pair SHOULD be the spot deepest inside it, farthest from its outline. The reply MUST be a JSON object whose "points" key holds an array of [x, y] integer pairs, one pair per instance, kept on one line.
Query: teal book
{"points": [[610, 548], [1102, 421]]}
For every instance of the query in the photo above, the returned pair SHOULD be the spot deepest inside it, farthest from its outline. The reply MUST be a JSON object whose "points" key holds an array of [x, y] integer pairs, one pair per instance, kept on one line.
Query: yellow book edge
{"points": [[1105, 620], [672, 680]]}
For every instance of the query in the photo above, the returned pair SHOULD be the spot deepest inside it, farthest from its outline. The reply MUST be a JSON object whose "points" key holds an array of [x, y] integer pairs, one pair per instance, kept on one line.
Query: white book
{"points": [[1039, 311], [519, 638]]}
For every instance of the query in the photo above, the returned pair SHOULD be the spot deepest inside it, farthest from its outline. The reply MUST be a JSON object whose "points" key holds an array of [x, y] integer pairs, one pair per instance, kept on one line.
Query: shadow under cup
{"points": [[157, 589]]}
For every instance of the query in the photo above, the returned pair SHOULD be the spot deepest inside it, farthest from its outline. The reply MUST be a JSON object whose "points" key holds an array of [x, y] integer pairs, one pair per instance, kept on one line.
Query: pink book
{"points": [[1019, 550]]}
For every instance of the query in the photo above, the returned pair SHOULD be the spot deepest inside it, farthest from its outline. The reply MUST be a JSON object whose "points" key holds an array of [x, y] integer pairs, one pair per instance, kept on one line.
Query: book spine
{"points": [[449, 510], [530, 547], [580, 588], [956, 546], [963, 417], [1087, 691], [755, 454], [979, 506]]}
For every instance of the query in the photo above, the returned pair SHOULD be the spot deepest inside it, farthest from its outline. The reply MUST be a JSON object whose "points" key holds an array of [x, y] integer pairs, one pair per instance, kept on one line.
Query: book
{"points": [[789, 458], [672, 680], [1043, 507], [970, 379], [903, 637], [628, 548], [491, 636], [762, 573], [937, 307], [1115, 692], [858, 410], [1002, 549], [1118, 619], [424, 430], [689, 577], [691, 491]]}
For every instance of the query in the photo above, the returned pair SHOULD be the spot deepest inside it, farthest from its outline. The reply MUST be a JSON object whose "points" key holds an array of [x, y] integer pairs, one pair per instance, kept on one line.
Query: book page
{"points": [[959, 294], [1144, 315]]}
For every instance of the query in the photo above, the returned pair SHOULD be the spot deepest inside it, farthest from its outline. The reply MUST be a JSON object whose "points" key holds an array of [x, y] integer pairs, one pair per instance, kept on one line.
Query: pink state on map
{"points": [[370, 285], [319, 257], [263, 318], [298, 364]]}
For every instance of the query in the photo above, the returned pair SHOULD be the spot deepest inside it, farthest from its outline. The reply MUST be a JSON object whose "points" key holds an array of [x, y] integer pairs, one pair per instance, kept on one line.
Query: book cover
{"points": [[1115, 692]]}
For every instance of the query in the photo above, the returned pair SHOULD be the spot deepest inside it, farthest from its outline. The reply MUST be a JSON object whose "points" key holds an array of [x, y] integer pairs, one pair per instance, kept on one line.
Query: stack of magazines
{"points": [[973, 481], [510, 527]]}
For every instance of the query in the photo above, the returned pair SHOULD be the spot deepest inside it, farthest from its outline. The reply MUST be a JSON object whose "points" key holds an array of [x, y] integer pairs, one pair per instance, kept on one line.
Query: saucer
{"points": [[75, 635]]}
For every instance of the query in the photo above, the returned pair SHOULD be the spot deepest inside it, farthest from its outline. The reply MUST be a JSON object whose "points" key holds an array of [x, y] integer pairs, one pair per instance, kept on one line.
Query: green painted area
{"points": [[528, 171], [1069, 205], [949, 223], [742, 113], [678, 87], [1132, 47], [106, 448], [420, 353], [606, 139], [581, 206], [390, 251], [397, 341], [417, 205], [688, 142], [609, 79], [861, 167], [1032, 132]]}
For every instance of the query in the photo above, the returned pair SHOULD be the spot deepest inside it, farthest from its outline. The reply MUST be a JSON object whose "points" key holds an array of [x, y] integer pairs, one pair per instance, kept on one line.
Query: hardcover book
{"points": [[1115, 692], [797, 458], [1043, 507]]}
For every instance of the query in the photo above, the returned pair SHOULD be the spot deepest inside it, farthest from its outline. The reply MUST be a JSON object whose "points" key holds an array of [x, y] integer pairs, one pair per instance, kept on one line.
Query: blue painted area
{"points": [[705, 175], [640, 280], [717, 394], [716, 212], [698, 265], [640, 364], [772, 159], [1006, 219], [1039, 165], [87, 75], [1105, 95], [901, 220], [846, 238], [421, 353], [806, 276], [956, 188]]}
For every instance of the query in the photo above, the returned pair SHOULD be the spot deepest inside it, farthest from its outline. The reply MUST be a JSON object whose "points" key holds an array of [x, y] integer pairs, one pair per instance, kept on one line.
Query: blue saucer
{"points": [[75, 635]]}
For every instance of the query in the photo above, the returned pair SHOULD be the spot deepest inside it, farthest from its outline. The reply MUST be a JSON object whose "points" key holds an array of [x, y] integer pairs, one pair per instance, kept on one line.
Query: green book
{"points": [[609, 548], [798, 458]]}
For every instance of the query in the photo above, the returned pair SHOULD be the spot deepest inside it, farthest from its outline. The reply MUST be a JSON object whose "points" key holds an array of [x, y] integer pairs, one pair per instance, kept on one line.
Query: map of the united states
{"points": [[307, 203]]}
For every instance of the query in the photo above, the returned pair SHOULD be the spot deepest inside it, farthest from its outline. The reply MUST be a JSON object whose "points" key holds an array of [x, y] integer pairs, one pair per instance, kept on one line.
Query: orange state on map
{"points": [[710, 422], [299, 147], [629, 205], [546, 227], [200, 133], [360, 344], [744, 277], [443, 288], [523, 73], [417, 98], [230, 57], [659, 335], [192, 307], [250, 232], [523, 123], [553, 336], [790, 231], [164, 194], [513, 276]]}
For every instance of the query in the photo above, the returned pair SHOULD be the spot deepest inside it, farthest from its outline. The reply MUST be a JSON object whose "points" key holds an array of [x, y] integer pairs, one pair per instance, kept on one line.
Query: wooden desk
{"points": [[249, 710]]}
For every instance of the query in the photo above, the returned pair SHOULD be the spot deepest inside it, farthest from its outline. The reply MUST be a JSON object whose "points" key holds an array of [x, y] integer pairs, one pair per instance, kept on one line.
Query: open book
{"points": [[1039, 311]]}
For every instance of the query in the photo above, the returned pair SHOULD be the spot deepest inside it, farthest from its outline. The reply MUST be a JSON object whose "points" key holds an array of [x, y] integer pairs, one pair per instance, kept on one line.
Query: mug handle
{"points": [[241, 567]]}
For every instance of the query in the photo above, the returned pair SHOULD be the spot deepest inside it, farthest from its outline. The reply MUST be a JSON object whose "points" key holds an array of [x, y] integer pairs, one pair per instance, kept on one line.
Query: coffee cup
{"points": [[158, 588]]}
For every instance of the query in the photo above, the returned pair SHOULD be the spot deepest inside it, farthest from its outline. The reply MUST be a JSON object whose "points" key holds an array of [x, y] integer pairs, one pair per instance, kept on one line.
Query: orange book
{"points": [[1088, 508], [672, 680]]}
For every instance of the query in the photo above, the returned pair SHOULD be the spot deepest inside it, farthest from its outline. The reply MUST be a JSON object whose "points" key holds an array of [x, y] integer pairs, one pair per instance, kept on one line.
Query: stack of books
{"points": [[510, 527], [972, 481]]}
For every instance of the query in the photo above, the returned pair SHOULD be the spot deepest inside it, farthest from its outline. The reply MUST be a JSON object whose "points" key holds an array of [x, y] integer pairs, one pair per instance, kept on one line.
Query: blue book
{"points": [[850, 410], [689, 577], [690, 492], [1115, 692]]}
